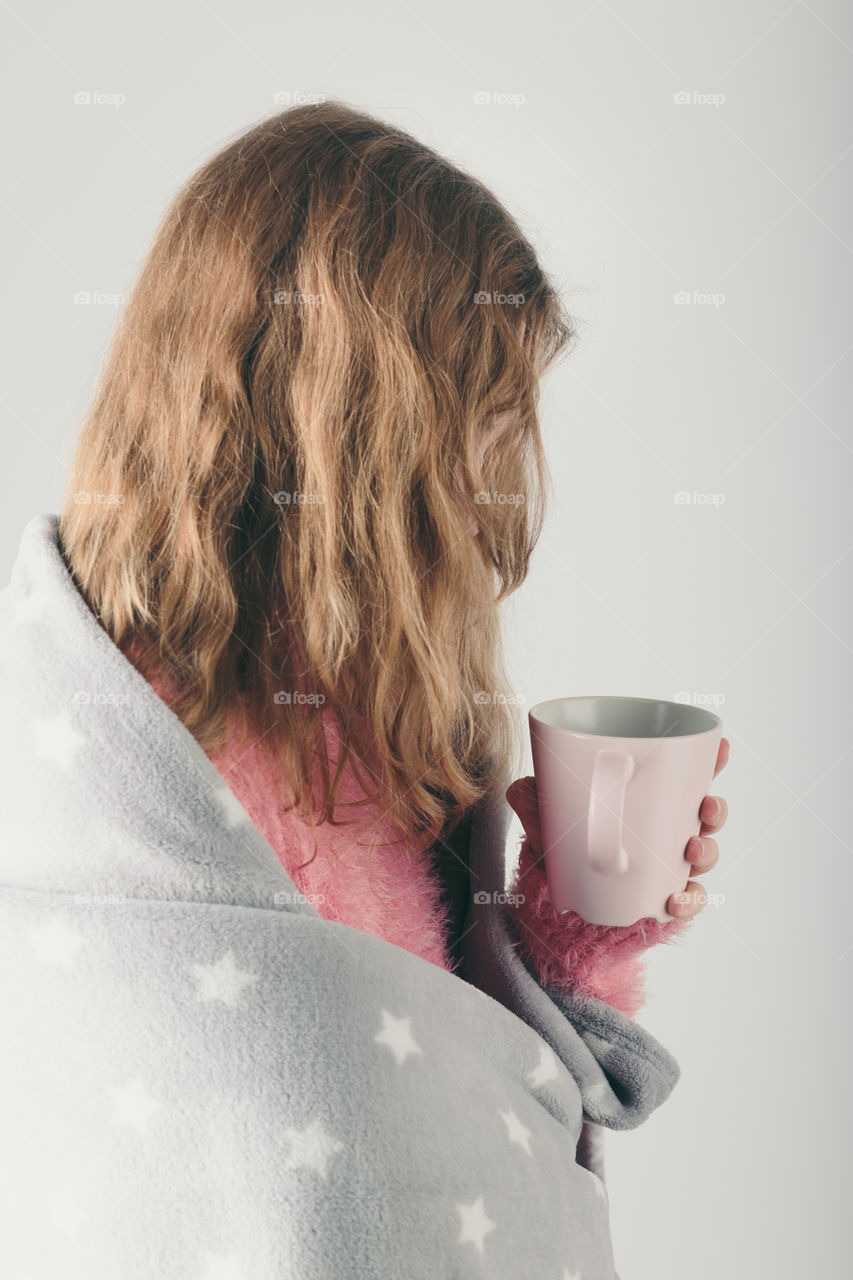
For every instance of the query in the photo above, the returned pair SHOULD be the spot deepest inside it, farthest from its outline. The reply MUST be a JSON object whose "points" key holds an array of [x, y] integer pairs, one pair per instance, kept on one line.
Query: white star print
{"points": [[132, 1106], [65, 1212], [396, 1034], [597, 1092], [546, 1069], [58, 740], [311, 1148], [234, 811], [218, 1268], [29, 607], [56, 942], [476, 1225], [516, 1130], [223, 981]]}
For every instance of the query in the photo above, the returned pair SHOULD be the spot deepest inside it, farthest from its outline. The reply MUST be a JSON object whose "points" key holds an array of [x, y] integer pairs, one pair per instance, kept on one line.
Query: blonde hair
{"points": [[287, 433]]}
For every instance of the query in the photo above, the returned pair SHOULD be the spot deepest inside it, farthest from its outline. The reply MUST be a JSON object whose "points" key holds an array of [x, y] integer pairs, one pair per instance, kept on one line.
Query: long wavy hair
{"points": [[294, 424]]}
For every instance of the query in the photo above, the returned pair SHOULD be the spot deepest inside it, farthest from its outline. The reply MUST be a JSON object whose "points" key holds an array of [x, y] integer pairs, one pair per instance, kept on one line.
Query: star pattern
{"points": [[56, 942], [29, 608], [64, 1211], [315, 1149], [311, 1148], [597, 1092], [516, 1130], [234, 812], [397, 1035], [546, 1069], [219, 1268], [223, 981], [132, 1106], [57, 739], [476, 1224]]}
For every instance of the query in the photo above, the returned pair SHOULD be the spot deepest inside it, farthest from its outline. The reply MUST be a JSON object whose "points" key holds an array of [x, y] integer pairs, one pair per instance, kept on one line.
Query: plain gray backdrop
{"points": [[684, 170]]}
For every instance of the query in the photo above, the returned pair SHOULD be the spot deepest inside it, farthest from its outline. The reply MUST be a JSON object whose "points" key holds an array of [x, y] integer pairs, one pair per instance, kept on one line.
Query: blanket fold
{"points": [[206, 1078]]}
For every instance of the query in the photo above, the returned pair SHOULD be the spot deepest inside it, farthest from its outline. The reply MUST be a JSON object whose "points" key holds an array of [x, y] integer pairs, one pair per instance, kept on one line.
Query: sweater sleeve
{"points": [[589, 959]]}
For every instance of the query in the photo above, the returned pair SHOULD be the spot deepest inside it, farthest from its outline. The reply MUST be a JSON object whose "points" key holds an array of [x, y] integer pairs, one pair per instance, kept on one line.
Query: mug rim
{"points": [[533, 717]]}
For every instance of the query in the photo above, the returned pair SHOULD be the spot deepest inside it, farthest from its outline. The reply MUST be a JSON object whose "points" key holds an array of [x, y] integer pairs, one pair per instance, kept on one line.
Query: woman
{"points": [[288, 513]]}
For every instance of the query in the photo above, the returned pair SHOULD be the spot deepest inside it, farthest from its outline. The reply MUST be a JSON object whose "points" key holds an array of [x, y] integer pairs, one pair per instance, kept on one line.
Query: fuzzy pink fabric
{"points": [[588, 959], [396, 894]]}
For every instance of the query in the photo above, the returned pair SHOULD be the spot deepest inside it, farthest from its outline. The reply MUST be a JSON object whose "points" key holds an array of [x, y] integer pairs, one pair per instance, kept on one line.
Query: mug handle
{"points": [[610, 777]]}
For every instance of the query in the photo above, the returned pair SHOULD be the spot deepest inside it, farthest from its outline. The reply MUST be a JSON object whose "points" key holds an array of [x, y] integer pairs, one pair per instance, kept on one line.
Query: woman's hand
{"points": [[701, 850]]}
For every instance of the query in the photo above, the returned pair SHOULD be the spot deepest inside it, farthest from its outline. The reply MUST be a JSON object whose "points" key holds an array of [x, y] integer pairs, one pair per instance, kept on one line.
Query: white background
{"points": [[740, 194]]}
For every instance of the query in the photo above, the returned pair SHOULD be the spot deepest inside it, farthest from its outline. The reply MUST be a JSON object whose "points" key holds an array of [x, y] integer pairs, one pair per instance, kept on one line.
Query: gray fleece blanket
{"points": [[204, 1079]]}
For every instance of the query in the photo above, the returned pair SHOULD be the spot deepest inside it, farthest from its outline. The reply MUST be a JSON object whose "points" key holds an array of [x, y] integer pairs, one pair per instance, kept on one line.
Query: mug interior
{"points": [[625, 717]]}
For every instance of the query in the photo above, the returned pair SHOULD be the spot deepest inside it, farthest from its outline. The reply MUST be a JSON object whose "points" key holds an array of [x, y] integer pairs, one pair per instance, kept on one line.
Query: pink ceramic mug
{"points": [[619, 783]]}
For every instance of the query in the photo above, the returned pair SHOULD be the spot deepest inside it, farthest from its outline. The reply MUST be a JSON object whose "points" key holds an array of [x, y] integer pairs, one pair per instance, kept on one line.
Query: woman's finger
{"points": [[713, 811], [521, 796], [722, 755], [688, 903], [703, 853]]}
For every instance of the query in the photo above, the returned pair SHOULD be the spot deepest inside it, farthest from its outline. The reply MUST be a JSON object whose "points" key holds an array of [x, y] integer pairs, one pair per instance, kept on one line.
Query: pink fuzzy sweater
{"points": [[397, 893]]}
